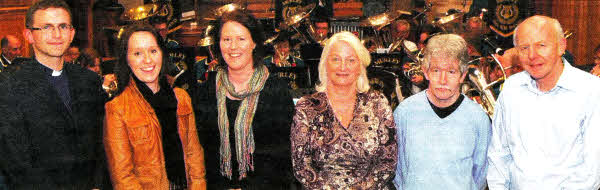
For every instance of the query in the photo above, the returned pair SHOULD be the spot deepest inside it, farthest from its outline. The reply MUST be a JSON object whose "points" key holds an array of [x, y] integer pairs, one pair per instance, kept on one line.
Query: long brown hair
{"points": [[122, 70]]}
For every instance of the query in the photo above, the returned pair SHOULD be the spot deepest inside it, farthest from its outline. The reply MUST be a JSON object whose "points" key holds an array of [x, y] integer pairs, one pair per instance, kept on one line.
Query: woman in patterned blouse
{"points": [[343, 136]]}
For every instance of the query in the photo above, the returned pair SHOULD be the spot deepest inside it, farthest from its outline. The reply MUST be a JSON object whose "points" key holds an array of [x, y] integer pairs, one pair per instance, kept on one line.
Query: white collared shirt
{"points": [[547, 140]]}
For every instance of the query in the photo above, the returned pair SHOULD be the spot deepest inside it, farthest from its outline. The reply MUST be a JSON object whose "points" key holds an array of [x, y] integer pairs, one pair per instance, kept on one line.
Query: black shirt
{"points": [[271, 127], [445, 112], [60, 82]]}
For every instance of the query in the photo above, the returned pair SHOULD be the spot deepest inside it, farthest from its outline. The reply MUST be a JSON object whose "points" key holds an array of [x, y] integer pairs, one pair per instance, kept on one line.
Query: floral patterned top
{"points": [[326, 155]]}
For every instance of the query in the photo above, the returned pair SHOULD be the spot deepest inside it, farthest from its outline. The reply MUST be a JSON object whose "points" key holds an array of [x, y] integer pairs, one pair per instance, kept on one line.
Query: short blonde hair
{"points": [[362, 83]]}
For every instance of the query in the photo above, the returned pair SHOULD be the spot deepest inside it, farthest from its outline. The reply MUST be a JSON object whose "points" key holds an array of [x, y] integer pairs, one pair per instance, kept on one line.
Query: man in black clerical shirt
{"points": [[51, 133]]}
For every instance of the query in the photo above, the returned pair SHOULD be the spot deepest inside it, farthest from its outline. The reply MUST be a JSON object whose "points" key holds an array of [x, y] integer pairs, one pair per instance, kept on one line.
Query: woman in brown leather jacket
{"points": [[149, 130]]}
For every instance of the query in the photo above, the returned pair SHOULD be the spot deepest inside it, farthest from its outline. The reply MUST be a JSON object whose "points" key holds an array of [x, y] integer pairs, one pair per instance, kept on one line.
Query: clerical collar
{"points": [[50, 71], [445, 112], [56, 73]]}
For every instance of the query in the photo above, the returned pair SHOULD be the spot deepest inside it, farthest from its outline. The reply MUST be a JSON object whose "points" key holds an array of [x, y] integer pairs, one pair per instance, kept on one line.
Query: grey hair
{"points": [[449, 46], [545, 20], [362, 82]]}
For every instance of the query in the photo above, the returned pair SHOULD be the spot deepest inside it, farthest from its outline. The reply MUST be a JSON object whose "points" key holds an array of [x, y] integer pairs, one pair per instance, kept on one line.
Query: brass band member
{"points": [[244, 113], [11, 49], [282, 56], [149, 131], [343, 136]]}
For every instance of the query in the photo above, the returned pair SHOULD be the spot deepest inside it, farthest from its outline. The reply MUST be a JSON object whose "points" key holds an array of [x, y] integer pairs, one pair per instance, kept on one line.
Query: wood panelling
{"points": [[262, 9], [15, 3], [348, 9], [580, 17], [440, 7], [12, 20], [577, 16]]}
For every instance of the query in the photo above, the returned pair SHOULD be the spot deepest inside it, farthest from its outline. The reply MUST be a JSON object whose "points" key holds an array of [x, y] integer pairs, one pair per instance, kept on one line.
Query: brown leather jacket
{"points": [[133, 143]]}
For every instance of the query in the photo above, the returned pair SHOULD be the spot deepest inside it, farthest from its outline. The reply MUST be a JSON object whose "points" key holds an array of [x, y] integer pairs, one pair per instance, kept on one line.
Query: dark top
{"points": [[61, 85], [43, 144], [271, 127], [164, 104], [445, 112]]}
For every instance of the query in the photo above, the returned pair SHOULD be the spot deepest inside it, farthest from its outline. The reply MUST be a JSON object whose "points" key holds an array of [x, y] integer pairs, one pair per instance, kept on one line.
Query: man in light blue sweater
{"points": [[442, 136]]}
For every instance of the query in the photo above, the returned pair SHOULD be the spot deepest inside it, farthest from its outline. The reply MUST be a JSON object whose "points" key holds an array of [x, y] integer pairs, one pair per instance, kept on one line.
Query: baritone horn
{"points": [[478, 80], [488, 100]]}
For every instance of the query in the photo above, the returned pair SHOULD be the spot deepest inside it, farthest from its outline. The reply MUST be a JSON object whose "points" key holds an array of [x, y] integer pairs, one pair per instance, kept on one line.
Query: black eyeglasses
{"points": [[50, 28]]}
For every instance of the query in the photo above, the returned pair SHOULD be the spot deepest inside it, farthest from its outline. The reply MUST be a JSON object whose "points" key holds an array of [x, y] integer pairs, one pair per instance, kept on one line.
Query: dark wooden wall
{"points": [[578, 16], [12, 20]]}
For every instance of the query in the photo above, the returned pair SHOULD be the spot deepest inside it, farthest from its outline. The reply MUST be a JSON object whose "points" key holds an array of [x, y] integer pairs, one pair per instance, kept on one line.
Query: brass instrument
{"points": [[488, 100], [271, 39], [413, 68], [148, 10], [216, 13], [450, 23], [379, 21], [143, 12], [207, 41], [302, 16], [478, 80], [226, 9], [568, 34], [416, 55], [111, 88]]}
